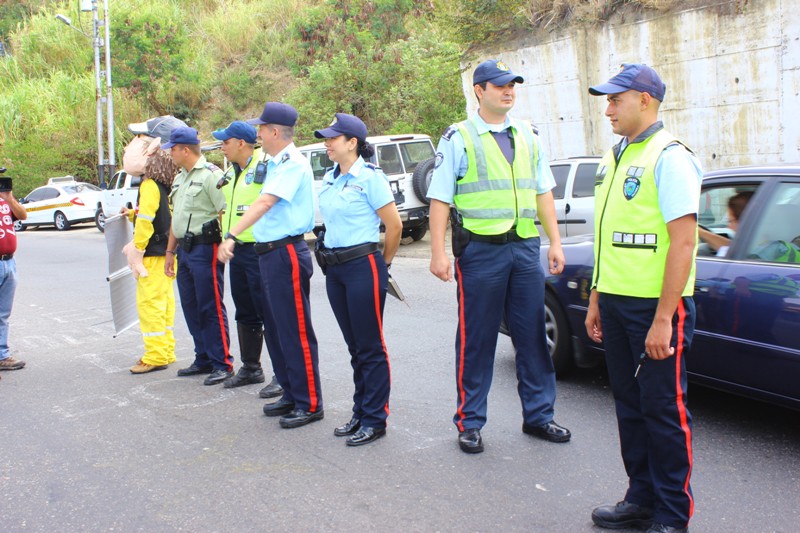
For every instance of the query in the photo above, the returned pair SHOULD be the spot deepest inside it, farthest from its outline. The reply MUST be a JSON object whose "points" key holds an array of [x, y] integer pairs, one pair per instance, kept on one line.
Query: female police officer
{"points": [[354, 200]]}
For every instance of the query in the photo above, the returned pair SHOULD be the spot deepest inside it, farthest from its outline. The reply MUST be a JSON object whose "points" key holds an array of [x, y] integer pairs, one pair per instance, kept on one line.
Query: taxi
{"points": [[62, 203]]}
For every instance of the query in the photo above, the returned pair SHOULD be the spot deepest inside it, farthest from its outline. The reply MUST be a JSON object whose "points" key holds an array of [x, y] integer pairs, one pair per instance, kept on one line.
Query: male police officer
{"points": [[195, 233], [641, 303], [282, 214], [241, 185], [494, 169]]}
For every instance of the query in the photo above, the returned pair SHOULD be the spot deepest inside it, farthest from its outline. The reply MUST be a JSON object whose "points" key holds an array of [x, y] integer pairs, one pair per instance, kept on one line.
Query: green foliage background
{"points": [[391, 62]]}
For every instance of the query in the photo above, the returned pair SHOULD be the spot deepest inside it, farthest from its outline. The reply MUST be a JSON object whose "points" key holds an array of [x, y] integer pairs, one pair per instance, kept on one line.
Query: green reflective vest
{"points": [[631, 238], [240, 193], [493, 196]]}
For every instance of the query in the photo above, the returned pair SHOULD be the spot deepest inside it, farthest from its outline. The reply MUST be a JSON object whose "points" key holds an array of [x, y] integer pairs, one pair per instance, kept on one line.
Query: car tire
{"points": [[559, 339], [100, 220], [19, 226], [416, 233], [421, 179], [61, 222]]}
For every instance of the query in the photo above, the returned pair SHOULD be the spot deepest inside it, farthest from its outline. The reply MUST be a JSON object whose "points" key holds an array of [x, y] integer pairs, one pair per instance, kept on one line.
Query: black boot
{"points": [[250, 341]]}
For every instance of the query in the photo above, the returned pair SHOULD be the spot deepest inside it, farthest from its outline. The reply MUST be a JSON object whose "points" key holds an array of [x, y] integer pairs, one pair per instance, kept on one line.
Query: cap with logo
{"points": [[496, 72], [633, 76], [181, 135], [344, 124], [276, 113], [236, 130], [156, 127]]}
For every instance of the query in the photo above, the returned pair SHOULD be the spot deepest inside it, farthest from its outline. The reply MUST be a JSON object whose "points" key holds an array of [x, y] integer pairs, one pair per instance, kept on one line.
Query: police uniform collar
{"points": [[355, 170], [483, 127], [649, 132], [201, 162]]}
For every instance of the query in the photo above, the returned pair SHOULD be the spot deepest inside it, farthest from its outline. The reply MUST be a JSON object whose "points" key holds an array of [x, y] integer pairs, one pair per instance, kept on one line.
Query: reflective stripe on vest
{"points": [[492, 196], [631, 237]]}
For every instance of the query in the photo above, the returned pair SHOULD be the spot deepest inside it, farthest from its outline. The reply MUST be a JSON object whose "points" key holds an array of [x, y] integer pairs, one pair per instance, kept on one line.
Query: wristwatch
{"points": [[233, 238]]}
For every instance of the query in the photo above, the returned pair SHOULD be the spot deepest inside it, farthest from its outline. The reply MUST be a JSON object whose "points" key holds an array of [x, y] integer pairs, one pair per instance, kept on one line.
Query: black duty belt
{"points": [[338, 256], [264, 247], [503, 238], [6, 257], [202, 239]]}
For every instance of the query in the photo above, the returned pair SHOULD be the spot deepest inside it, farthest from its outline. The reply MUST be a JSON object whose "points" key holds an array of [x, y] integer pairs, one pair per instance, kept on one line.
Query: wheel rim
{"points": [[60, 221], [551, 329], [101, 219]]}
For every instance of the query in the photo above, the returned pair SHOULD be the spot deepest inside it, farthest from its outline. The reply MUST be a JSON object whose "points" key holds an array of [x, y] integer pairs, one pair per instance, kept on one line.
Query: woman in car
{"points": [[355, 200], [736, 204]]}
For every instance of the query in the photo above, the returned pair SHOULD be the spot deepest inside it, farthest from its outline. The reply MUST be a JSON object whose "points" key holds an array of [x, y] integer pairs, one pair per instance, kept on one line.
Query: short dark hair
{"points": [[738, 202]]}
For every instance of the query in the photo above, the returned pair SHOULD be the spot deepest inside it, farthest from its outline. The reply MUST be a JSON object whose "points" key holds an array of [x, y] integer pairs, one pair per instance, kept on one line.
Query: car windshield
{"points": [[81, 187]]}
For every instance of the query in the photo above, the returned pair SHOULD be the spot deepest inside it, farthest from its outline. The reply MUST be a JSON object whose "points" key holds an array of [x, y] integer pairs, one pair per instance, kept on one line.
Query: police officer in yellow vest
{"points": [[241, 185], [494, 169], [646, 204]]}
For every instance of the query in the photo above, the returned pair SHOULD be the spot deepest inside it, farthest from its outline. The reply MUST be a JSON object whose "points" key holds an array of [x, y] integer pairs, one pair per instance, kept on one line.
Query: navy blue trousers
{"points": [[201, 285], [286, 274], [493, 279], [357, 293], [655, 426]]}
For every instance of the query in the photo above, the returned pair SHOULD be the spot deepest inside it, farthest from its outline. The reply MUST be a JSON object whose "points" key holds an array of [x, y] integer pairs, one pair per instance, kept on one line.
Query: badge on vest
{"points": [[630, 187], [248, 178]]}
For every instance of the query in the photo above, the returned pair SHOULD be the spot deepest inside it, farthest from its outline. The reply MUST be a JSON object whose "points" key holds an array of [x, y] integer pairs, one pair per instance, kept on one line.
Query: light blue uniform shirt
{"points": [[348, 203], [289, 177], [678, 177], [451, 161]]}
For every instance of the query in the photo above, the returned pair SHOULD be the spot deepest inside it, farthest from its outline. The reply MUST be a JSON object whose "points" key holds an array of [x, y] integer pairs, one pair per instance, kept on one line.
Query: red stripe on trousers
{"points": [[301, 326], [462, 326], [680, 401], [218, 304], [377, 300]]}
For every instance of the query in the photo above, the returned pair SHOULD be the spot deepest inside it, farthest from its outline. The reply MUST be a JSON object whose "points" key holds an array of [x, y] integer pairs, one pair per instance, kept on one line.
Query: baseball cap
{"points": [[344, 124], [181, 135], [636, 76], [156, 127], [496, 72], [276, 113], [236, 130]]}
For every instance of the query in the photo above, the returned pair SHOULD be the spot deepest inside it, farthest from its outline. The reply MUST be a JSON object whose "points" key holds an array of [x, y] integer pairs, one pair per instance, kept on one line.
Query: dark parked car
{"points": [[747, 336]]}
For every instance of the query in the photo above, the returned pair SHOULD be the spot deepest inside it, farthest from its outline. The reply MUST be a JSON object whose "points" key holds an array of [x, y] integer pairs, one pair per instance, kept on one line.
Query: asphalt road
{"points": [[86, 446]]}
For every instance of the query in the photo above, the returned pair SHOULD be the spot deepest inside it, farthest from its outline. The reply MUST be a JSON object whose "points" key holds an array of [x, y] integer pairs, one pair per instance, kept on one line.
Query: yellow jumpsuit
{"points": [[155, 296]]}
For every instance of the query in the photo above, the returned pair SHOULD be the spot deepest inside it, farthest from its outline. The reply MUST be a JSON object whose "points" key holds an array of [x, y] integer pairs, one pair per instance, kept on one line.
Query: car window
{"points": [[320, 163], [560, 173], [116, 181], [415, 153], [583, 186], [713, 214], [776, 238], [45, 193], [81, 187], [389, 159]]}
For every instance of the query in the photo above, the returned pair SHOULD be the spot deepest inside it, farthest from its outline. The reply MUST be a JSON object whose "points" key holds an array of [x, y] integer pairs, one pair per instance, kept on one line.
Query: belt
{"points": [[338, 256], [264, 247], [202, 239], [503, 238], [6, 257]]}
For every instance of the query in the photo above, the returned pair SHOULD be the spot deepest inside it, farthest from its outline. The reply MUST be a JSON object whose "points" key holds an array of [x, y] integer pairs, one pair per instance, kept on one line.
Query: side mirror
{"points": [[23, 200]]}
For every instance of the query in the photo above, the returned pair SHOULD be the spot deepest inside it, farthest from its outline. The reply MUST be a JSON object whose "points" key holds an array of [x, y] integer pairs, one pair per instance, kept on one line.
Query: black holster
{"points": [[319, 246], [459, 235]]}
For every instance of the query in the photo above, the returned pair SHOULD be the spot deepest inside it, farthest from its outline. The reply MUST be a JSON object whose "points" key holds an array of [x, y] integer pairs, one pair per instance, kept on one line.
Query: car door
{"points": [[579, 207], [561, 173], [114, 195], [40, 205], [748, 301], [320, 163]]}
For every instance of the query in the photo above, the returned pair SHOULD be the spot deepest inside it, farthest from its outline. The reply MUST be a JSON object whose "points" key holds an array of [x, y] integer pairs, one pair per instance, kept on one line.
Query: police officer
{"points": [[354, 200], [641, 305], [282, 214], [494, 169], [241, 185], [195, 236]]}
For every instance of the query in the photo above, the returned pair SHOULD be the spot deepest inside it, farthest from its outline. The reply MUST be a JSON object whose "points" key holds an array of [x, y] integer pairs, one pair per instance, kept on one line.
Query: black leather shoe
{"points": [[365, 436], [217, 376], [470, 441], [623, 515], [194, 370], [661, 528], [279, 408], [273, 390], [245, 376], [349, 428], [551, 432], [298, 418]]}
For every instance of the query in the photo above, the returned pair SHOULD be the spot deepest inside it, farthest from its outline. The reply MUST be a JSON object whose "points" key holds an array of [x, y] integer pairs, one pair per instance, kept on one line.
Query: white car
{"points": [[122, 191], [62, 202], [407, 160], [574, 194]]}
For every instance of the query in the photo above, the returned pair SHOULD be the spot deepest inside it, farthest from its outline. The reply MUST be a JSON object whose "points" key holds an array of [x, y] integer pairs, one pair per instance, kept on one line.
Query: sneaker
{"points": [[11, 363], [143, 368]]}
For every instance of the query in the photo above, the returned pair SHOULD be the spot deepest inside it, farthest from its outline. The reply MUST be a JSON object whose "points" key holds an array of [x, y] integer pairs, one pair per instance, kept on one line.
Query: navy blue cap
{"points": [[344, 124], [496, 72], [636, 76], [276, 113], [236, 130], [181, 135], [157, 127]]}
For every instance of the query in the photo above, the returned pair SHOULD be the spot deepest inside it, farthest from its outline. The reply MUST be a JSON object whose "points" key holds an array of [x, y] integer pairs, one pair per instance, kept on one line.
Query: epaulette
{"points": [[285, 157], [534, 129], [449, 132], [371, 165], [212, 167]]}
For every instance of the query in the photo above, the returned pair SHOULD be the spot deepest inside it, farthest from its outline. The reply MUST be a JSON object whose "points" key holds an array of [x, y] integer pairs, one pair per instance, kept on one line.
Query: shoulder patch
{"points": [[534, 129], [449, 132], [439, 159], [285, 157]]}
